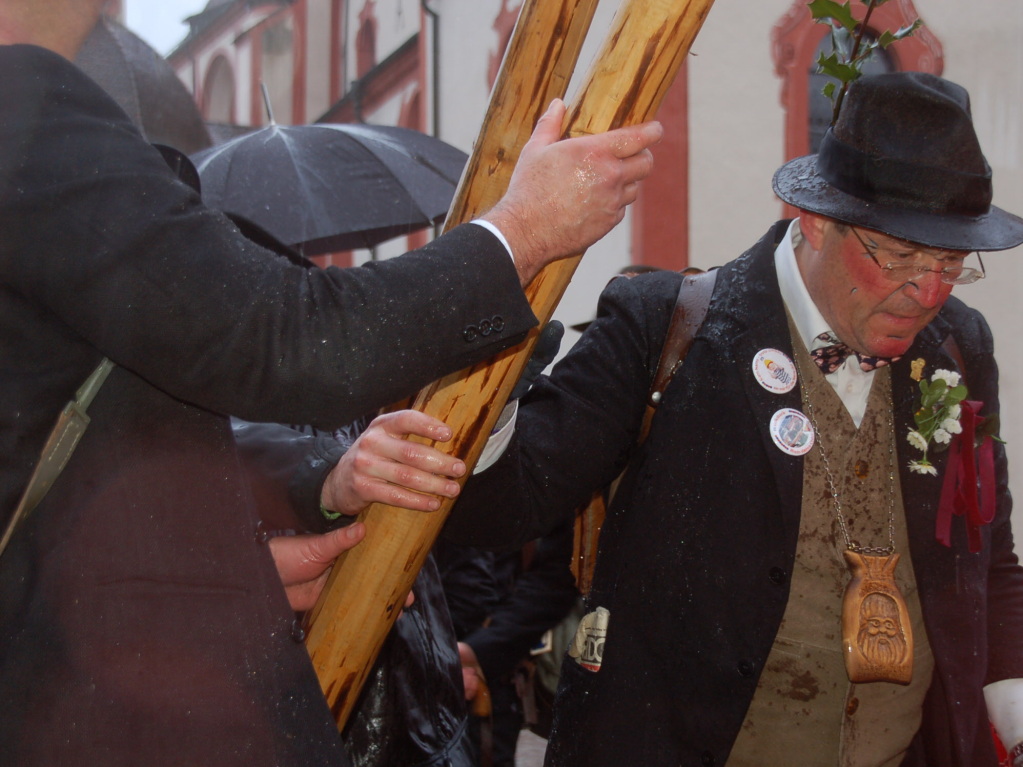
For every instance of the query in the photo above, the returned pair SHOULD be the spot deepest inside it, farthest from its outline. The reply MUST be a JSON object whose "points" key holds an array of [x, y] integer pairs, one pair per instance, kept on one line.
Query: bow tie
{"points": [[830, 358]]}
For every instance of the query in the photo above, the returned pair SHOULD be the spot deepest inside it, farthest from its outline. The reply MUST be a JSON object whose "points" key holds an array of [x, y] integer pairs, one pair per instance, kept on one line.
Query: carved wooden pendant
{"points": [[876, 633]]}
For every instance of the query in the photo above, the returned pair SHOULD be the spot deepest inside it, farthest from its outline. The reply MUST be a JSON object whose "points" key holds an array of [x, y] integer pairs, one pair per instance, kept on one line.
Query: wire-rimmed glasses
{"points": [[903, 268]]}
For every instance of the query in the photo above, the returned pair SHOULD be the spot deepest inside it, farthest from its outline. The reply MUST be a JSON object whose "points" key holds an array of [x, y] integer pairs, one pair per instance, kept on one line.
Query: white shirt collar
{"points": [[849, 381], [807, 317]]}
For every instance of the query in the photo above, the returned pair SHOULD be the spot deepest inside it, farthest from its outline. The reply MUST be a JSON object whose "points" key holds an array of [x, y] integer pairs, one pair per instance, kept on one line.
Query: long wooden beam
{"points": [[640, 57]]}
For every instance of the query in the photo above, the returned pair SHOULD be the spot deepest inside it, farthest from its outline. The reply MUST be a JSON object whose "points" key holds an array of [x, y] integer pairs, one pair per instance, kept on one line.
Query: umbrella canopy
{"points": [[144, 85], [328, 187]]}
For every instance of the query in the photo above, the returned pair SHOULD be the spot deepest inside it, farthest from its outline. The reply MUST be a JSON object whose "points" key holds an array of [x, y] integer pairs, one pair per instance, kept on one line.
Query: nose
{"points": [[927, 289]]}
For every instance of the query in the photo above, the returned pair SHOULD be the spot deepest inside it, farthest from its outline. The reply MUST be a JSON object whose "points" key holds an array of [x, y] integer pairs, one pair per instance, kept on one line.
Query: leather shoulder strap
{"points": [[690, 310]]}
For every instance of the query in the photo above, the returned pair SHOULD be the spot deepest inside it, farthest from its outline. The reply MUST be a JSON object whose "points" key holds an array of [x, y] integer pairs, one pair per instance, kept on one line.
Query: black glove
{"points": [[547, 345]]}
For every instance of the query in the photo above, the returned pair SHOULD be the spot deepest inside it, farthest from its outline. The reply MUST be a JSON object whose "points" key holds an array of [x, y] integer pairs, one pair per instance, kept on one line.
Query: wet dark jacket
{"points": [[141, 621]]}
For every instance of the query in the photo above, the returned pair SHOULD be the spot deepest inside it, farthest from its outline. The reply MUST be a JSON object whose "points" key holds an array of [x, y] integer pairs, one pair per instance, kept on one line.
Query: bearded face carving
{"points": [[880, 637], [877, 636]]}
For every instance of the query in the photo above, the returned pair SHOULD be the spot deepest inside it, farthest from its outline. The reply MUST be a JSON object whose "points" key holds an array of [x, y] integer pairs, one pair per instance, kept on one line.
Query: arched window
{"points": [[218, 93]]}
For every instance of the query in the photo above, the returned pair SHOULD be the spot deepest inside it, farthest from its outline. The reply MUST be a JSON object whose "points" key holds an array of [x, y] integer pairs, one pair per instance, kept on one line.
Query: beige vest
{"points": [[805, 711]]}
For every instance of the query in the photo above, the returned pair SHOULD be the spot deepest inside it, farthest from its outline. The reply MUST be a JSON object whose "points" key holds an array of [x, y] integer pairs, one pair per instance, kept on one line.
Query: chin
{"points": [[893, 350], [890, 347]]}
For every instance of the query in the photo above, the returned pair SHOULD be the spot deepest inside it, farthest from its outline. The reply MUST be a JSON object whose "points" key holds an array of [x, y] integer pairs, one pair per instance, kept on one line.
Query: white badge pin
{"points": [[774, 371], [587, 648], [792, 431]]}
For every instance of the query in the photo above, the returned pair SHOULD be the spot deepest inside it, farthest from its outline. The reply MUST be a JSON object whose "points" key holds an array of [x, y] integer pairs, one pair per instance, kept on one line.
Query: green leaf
{"points": [[831, 66], [887, 38], [829, 89], [956, 395], [826, 11], [932, 397]]}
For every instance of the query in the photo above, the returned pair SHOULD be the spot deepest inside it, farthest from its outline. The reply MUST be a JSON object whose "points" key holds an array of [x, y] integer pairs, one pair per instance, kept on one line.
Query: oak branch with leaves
{"points": [[851, 47]]}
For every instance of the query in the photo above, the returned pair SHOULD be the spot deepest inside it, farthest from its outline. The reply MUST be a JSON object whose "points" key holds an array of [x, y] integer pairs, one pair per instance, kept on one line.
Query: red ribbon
{"points": [[960, 493]]}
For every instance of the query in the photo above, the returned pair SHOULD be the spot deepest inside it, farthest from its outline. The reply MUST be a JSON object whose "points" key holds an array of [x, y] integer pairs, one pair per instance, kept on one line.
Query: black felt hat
{"points": [[903, 159]]}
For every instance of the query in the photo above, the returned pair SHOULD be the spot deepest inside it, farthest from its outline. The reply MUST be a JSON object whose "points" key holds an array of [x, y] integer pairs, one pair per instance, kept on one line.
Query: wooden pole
{"points": [[357, 608], [640, 57]]}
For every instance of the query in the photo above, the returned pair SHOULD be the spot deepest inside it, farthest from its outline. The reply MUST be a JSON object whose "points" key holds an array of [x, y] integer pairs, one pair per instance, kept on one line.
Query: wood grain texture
{"points": [[639, 60]]}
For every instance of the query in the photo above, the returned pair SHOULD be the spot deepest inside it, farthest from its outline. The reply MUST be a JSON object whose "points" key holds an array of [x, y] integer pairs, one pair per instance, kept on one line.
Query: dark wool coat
{"points": [[698, 547], [141, 620]]}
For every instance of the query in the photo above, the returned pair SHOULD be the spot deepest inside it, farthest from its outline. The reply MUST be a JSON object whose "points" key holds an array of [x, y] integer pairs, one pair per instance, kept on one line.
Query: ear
{"points": [[812, 227]]}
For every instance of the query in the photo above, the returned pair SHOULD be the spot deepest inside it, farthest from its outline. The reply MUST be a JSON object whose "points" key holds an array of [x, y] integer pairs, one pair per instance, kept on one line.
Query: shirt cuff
{"points": [[503, 431], [496, 232], [1005, 709]]}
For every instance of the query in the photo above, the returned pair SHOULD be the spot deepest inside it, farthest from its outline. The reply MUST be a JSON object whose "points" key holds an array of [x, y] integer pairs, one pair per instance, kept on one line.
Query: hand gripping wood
{"points": [[648, 41]]}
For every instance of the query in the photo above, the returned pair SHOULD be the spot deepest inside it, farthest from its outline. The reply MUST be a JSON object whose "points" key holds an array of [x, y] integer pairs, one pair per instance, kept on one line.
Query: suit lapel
{"points": [[757, 313]]}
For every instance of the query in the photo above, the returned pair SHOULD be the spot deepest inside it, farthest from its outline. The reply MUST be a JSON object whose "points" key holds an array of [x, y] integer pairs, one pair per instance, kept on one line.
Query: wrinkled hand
{"points": [[383, 467], [565, 195], [303, 561]]}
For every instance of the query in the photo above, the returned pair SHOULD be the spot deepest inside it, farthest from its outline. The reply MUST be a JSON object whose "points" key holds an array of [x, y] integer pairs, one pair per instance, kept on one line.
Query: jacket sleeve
{"points": [[285, 469], [99, 234], [576, 429]]}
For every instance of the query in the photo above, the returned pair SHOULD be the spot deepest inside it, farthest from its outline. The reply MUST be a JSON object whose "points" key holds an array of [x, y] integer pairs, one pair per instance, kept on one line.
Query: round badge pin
{"points": [[774, 371], [792, 431]]}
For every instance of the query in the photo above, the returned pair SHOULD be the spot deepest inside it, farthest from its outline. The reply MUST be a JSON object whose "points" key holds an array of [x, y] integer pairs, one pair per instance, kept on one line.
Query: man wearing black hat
{"points": [[793, 569]]}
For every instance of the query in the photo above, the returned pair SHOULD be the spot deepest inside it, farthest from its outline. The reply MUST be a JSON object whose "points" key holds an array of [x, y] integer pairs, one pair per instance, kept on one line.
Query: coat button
{"points": [[486, 328], [707, 759], [745, 669], [497, 322], [470, 333], [297, 632], [777, 575]]}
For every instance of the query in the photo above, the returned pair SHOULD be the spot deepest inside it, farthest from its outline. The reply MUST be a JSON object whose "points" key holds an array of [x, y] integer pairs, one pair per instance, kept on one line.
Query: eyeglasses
{"points": [[904, 267]]}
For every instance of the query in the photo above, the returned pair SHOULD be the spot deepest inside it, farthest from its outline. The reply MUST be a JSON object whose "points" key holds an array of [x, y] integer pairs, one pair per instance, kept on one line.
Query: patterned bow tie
{"points": [[830, 358]]}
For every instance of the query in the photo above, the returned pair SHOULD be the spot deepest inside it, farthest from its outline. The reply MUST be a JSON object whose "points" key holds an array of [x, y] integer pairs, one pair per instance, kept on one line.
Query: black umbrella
{"points": [[328, 187], [144, 85]]}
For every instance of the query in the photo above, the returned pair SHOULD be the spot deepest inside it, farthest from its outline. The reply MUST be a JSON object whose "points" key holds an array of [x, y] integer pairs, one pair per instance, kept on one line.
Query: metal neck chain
{"points": [[833, 488]]}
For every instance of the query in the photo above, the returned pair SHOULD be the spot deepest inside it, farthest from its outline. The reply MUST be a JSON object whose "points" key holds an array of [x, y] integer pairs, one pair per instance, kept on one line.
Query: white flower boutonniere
{"points": [[937, 418]]}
